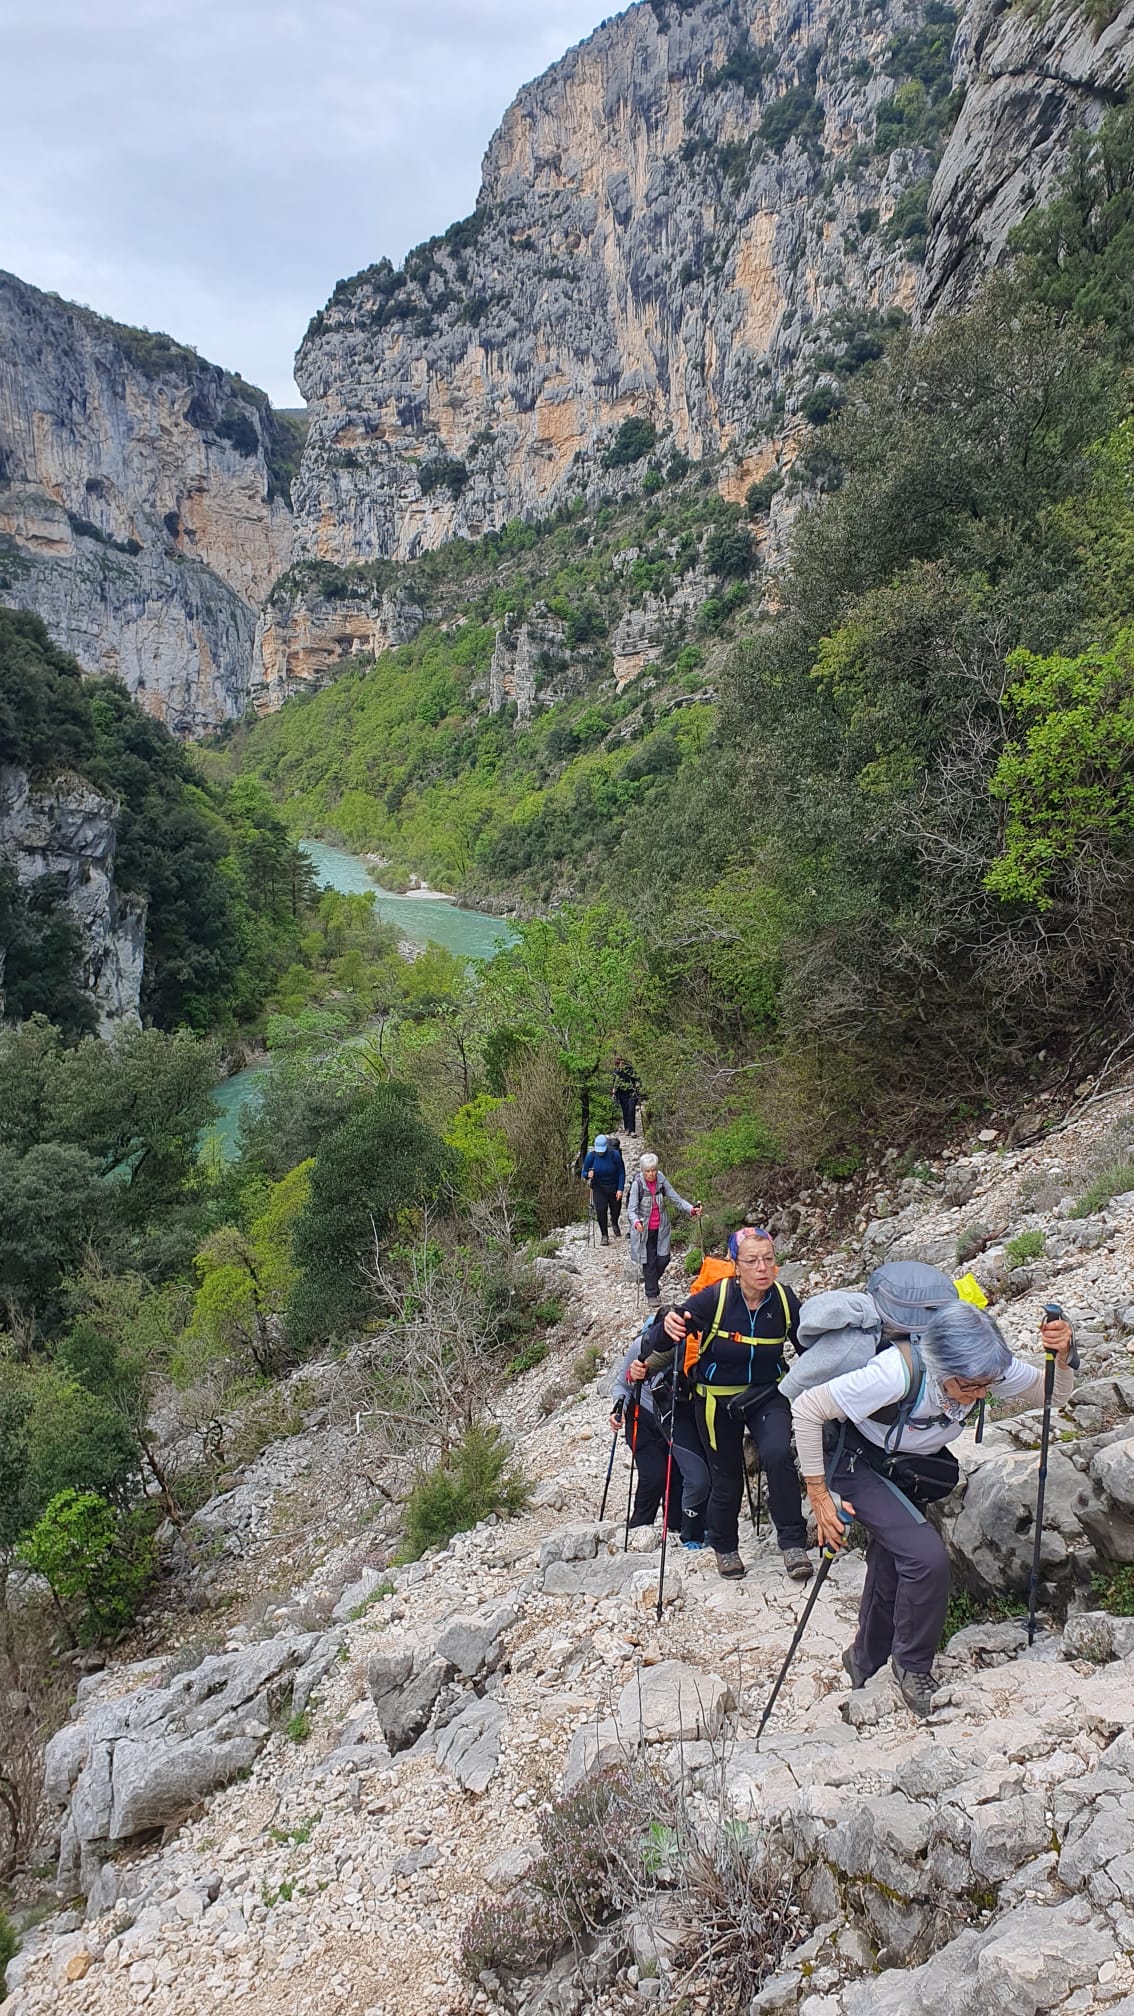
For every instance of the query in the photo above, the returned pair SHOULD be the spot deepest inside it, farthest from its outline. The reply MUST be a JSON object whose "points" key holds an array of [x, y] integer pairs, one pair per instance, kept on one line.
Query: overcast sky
{"points": [[212, 167]]}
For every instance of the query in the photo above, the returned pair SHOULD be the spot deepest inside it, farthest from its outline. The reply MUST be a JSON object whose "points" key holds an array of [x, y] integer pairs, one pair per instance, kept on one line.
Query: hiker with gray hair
{"points": [[888, 1456], [650, 1192]]}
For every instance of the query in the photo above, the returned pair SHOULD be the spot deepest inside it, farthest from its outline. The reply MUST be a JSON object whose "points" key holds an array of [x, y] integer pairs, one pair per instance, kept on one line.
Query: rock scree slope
{"points": [[981, 1861]]}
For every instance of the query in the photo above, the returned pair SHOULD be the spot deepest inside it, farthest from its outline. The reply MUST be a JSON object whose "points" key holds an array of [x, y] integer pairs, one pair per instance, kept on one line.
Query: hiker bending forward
{"points": [[886, 1457], [649, 1221], [745, 1325]]}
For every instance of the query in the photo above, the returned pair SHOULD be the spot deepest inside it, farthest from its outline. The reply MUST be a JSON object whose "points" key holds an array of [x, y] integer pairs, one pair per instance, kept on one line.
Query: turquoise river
{"points": [[471, 933]]}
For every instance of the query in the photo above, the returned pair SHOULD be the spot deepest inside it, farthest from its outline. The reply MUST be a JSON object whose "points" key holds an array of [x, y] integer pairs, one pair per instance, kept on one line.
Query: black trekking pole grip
{"points": [[826, 1557], [1041, 1491]]}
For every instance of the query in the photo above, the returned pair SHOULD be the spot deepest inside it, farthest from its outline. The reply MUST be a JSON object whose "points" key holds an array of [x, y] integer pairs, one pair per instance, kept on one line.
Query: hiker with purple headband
{"points": [[744, 1326]]}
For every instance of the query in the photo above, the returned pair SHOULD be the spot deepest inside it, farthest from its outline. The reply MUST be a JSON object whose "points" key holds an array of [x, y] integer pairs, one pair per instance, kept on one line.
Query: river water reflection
{"points": [[473, 934]]}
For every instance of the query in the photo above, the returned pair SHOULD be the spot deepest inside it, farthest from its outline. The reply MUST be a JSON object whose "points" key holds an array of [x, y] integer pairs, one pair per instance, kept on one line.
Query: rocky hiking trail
{"points": [[984, 1862]]}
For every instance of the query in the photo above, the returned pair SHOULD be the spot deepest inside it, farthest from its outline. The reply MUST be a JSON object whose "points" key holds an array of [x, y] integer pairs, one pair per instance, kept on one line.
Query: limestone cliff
{"points": [[67, 830], [143, 507], [1033, 77], [670, 223]]}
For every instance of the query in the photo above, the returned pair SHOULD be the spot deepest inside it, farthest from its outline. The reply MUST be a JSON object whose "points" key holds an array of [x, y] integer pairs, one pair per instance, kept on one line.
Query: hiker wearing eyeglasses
{"points": [[744, 1326], [892, 1422]]}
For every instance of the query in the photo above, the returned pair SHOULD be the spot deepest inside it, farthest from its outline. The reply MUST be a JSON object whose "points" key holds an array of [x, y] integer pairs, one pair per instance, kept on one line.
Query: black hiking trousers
{"points": [[770, 1429], [651, 1454], [608, 1207], [906, 1593], [628, 1101], [653, 1267]]}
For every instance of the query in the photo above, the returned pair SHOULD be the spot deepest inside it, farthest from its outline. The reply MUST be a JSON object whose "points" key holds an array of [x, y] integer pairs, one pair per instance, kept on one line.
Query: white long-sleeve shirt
{"points": [[857, 1396]]}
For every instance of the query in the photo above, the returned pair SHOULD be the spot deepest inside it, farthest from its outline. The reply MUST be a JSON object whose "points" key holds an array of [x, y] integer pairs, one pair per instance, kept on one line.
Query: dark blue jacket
{"points": [[608, 1169]]}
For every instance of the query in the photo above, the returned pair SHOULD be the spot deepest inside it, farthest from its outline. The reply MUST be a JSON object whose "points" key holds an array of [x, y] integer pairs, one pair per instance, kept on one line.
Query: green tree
{"points": [[245, 1281], [51, 1206], [381, 1163], [95, 1564], [1068, 782]]}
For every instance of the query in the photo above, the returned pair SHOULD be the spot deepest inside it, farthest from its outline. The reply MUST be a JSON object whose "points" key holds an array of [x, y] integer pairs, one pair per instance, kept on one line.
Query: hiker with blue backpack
{"points": [[605, 1171], [901, 1371]]}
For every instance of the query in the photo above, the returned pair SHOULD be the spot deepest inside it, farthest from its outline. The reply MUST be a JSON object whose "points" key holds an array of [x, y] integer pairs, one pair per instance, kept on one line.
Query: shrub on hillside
{"points": [[477, 1477], [95, 1563]]}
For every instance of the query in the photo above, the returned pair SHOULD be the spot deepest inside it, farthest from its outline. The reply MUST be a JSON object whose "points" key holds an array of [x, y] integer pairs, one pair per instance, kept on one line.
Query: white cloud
{"points": [[213, 170]]}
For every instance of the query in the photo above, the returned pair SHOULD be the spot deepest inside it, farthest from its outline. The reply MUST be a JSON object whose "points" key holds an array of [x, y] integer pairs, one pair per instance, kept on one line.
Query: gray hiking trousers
{"points": [[902, 1612]]}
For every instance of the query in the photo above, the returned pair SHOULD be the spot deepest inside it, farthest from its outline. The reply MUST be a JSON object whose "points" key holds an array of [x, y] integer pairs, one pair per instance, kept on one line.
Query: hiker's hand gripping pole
{"points": [[678, 1353], [831, 1518]]}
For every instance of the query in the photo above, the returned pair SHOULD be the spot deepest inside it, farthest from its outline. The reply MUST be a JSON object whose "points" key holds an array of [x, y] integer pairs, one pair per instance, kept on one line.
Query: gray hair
{"points": [[649, 1161], [961, 1342]]}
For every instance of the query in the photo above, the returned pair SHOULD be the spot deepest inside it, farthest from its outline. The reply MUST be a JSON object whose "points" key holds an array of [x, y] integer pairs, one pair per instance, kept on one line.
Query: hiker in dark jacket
{"points": [[605, 1171], [662, 1417], [965, 1358], [745, 1326], [627, 1091]]}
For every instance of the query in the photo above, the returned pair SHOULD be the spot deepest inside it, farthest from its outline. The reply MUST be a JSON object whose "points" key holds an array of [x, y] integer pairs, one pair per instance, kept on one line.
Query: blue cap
{"points": [[600, 1144]]}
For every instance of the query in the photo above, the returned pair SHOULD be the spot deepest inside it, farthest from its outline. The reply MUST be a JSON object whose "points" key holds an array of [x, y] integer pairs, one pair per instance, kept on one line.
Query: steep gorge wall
{"points": [[1033, 77], [65, 830], [143, 508], [669, 221]]}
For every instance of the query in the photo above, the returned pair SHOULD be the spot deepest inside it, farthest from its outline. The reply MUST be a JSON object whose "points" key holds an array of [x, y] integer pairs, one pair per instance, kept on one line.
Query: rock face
{"points": [[1033, 78], [67, 830], [668, 223], [143, 509]]}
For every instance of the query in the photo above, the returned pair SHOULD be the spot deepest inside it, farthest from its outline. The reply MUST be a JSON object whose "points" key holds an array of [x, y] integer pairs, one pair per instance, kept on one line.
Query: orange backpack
{"points": [[710, 1271]]}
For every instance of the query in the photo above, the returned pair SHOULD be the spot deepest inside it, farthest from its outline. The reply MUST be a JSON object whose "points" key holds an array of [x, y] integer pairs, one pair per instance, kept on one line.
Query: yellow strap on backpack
{"points": [[970, 1290]]}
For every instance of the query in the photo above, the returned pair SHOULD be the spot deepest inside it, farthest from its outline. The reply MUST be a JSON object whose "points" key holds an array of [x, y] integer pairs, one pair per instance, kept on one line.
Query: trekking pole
{"points": [[610, 1465], [759, 1499], [751, 1500], [1041, 1487], [1054, 1312], [978, 1432], [677, 1355], [636, 1405], [826, 1558]]}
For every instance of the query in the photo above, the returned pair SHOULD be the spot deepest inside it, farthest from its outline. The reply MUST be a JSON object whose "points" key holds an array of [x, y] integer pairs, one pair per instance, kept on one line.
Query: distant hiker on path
{"points": [[649, 1222], [627, 1091], [745, 1325], [886, 1463], [605, 1171]]}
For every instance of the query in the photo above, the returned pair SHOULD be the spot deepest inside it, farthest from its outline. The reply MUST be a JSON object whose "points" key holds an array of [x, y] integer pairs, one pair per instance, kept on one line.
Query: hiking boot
{"points": [[653, 1301], [918, 1689], [731, 1566], [852, 1667], [604, 1241], [694, 1546], [798, 1564]]}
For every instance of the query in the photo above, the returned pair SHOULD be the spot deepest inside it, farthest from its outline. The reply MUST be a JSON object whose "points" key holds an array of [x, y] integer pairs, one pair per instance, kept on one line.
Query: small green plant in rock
{"points": [[9, 1945], [971, 1240], [1030, 1245], [378, 1595], [965, 1609], [297, 1836], [283, 1895], [586, 1364], [1115, 1591], [527, 1359], [297, 1728], [1113, 1182]]}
